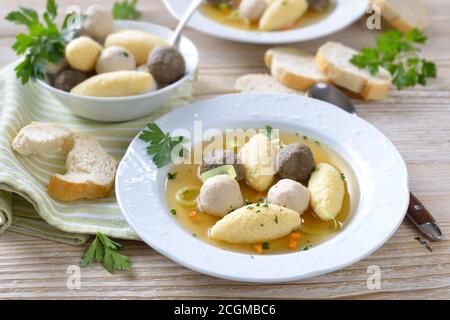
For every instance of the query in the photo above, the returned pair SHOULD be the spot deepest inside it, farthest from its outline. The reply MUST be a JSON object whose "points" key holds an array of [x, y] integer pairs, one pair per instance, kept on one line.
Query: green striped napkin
{"points": [[25, 206]]}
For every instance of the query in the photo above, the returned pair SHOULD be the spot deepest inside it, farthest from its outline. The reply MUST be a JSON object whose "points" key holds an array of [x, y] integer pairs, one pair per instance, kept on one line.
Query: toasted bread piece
{"points": [[90, 172], [293, 68], [261, 83], [404, 15], [333, 59], [43, 138]]}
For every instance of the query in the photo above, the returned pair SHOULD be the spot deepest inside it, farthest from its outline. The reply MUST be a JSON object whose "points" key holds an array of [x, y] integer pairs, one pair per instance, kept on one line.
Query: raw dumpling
{"points": [[327, 191], [256, 223], [259, 157], [289, 194]]}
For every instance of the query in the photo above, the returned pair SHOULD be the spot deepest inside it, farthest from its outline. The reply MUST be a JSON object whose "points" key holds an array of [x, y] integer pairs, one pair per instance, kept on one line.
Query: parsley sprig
{"points": [[126, 10], [399, 54], [44, 43], [162, 145], [105, 251]]}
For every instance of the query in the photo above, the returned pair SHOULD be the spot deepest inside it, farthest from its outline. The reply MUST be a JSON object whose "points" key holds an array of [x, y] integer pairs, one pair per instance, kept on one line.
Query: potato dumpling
{"points": [[115, 59], [82, 53], [327, 191], [98, 23], [256, 223], [259, 157], [282, 13], [220, 195], [139, 43], [116, 84], [252, 9], [289, 194]]}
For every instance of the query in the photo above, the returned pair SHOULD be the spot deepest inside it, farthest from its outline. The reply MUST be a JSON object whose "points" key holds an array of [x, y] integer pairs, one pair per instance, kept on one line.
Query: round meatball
{"points": [[296, 163], [82, 53], [219, 158], [98, 23], [219, 196], [115, 59], [143, 68], [166, 64], [68, 79], [289, 194], [318, 5]]}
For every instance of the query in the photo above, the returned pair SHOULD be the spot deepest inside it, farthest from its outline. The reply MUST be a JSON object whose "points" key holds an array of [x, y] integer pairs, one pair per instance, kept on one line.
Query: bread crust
{"points": [[63, 190]]}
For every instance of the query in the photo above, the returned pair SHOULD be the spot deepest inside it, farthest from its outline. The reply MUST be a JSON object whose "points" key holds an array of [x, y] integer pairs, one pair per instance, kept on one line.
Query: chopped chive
{"points": [[265, 246], [172, 176], [173, 212]]}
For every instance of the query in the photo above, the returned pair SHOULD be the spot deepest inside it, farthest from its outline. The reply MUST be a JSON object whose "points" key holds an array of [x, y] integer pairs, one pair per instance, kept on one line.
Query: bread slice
{"points": [[261, 83], [293, 68], [90, 172], [43, 138], [333, 59], [404, 15]]}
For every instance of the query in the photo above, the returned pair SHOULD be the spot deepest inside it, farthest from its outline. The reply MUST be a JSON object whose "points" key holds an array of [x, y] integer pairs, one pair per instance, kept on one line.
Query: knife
{"points": [[417, 212]]}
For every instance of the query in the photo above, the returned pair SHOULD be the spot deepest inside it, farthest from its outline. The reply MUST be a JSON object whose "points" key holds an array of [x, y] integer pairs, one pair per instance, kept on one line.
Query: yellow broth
{"points": [[313, 231], [223, 17]]}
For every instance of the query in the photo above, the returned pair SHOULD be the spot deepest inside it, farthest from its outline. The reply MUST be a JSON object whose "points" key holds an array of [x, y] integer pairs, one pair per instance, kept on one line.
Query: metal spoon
{"points": [[175, 41], [417, 212]]}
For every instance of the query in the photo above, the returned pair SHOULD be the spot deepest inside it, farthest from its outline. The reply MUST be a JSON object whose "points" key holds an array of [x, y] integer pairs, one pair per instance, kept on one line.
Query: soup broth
{"points": [[225, 17], [313, 230]]}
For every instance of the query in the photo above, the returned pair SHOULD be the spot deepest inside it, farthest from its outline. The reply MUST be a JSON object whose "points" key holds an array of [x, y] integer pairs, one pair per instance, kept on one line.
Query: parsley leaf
{"points": [[105, 251], [43, 43], [398, 53], [269, 132], [126, 10], [161, 145]]}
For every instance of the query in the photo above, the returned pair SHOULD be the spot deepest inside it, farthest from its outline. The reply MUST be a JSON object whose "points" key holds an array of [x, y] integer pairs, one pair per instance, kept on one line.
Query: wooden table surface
{"points": [[416, 120]]}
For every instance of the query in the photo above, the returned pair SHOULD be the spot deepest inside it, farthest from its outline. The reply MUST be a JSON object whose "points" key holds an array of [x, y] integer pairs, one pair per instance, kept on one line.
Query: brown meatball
{"points": [[318, 5], [166, 64], [68, 79], [296, 163], [219, 158]]}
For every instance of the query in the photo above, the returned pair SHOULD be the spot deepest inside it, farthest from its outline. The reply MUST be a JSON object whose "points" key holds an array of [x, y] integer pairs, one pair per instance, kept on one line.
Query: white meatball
{"points": [[143, 68], [115, 59], [289, 194], [99, 22], [219, 196], [252, 9]]}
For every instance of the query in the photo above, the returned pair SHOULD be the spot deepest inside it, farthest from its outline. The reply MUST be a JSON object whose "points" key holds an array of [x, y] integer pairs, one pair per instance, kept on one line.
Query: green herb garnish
{"points": [[397, 53], [276, 219], [105, 251], [269, 131], [126, 10], [265, 246], [343, 177], [43, 44], [172, 176], [173, 212], [161, 145]]}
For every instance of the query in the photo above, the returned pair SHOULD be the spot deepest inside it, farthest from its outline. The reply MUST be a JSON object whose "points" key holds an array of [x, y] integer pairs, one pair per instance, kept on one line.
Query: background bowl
{"points": [[114, 109]]}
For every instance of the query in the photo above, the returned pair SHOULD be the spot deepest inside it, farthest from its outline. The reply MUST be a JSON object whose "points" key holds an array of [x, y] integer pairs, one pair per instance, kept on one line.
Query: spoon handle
{"points": [[183, 21]]}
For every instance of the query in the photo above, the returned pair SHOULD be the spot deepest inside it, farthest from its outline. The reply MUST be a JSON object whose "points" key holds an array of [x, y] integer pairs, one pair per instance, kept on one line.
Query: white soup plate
{"points": [[379, 169], [344, 13]]}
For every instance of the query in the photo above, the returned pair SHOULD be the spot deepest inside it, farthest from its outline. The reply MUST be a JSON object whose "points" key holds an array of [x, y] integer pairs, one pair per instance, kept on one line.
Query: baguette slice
{"points": [[404, 15], [261, 83], [90, 173], [333, 59], [293, 68], [43, 138]]}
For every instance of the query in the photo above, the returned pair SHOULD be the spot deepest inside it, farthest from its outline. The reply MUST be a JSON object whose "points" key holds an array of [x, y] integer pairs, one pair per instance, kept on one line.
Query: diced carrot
{"points": [[295, 236], [192, 214], [293, 244], [258, 248]]}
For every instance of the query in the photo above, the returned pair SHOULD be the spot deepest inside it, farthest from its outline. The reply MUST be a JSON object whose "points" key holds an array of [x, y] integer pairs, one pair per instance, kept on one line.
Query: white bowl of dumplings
{"points": [[126, 94]]}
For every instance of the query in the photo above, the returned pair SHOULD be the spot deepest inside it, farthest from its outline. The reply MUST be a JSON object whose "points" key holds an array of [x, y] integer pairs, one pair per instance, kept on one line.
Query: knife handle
{"points": [[422, 218]]}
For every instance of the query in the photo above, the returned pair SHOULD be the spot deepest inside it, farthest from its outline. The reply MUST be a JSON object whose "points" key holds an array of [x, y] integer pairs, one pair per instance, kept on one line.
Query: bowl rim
{"points": [[123, 24], [380, 171]]}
